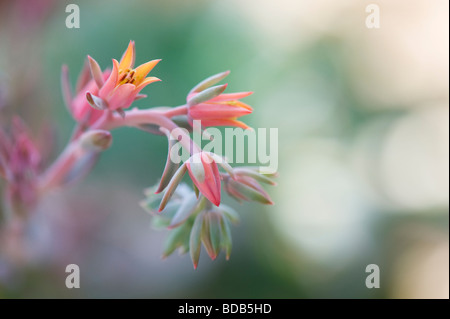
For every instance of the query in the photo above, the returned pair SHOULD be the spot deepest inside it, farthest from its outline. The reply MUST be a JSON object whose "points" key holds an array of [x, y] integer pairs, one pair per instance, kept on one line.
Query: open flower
{"points": [[80, 108], [214, 108], [123, 84]]}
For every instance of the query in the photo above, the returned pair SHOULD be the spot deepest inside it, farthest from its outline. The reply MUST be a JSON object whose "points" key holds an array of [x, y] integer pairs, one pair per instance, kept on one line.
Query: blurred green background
{"points": [[363, 128]]}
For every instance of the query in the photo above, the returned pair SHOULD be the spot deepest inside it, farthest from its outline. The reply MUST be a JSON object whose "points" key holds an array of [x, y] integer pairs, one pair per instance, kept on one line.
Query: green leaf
{"points": [[189, 206], [176, 179], [177, 238], [170, 168], [163, 220], [230, 213], [207, 94], [226, 236], [214, 232], [206, 83], [257, 176], [206, 236], [195, 239]]}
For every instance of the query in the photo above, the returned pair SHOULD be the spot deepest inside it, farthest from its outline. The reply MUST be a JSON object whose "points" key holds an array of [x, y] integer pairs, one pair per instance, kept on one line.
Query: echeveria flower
{"points": [[124, 83], [214, 108]]}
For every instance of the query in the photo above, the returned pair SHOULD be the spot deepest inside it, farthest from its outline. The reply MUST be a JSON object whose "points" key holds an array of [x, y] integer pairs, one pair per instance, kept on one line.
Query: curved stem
{"points": [[134, 118], [178, 110]]}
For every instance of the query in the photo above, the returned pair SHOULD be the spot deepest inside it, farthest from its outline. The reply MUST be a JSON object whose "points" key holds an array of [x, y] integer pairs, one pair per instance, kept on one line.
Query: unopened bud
{"points": [[96, 140]]}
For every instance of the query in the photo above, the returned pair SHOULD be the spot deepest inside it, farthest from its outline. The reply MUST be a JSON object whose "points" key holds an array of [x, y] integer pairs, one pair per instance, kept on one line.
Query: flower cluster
{"points": [[194, 216]]}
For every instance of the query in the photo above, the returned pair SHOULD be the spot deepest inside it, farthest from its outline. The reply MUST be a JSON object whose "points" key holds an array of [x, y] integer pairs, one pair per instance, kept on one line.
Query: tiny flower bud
{"points": [[96, 140]]}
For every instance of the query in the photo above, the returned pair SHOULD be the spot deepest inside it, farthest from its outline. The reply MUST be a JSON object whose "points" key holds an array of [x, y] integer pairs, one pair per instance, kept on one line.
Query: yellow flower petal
{"points": [[144, 69], [236, 103], [127, 60], [146, 82]]}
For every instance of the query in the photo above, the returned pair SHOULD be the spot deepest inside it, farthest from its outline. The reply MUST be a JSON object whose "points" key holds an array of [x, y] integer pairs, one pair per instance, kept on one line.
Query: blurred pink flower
{"points": [[20, 164]]}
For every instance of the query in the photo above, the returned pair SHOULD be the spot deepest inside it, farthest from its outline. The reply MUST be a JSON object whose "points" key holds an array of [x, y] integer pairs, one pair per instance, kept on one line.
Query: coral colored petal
{"points": [[224, 122], [146, 82], [122, 96], [216, 111], [144, 69], [215, 171], [209, 185], [238, 104], [201, 186], [127, 60], [211, 176], [111, 82], [230, 96]]}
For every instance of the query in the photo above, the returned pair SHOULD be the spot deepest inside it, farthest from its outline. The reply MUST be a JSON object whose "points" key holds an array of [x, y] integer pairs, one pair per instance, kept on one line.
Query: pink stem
{"points": [[178, 110], [134, 117]]}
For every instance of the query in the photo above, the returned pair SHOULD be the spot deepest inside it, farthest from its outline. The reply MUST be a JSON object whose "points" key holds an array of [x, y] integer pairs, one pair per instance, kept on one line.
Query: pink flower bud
{"points": [[205, 175]]}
